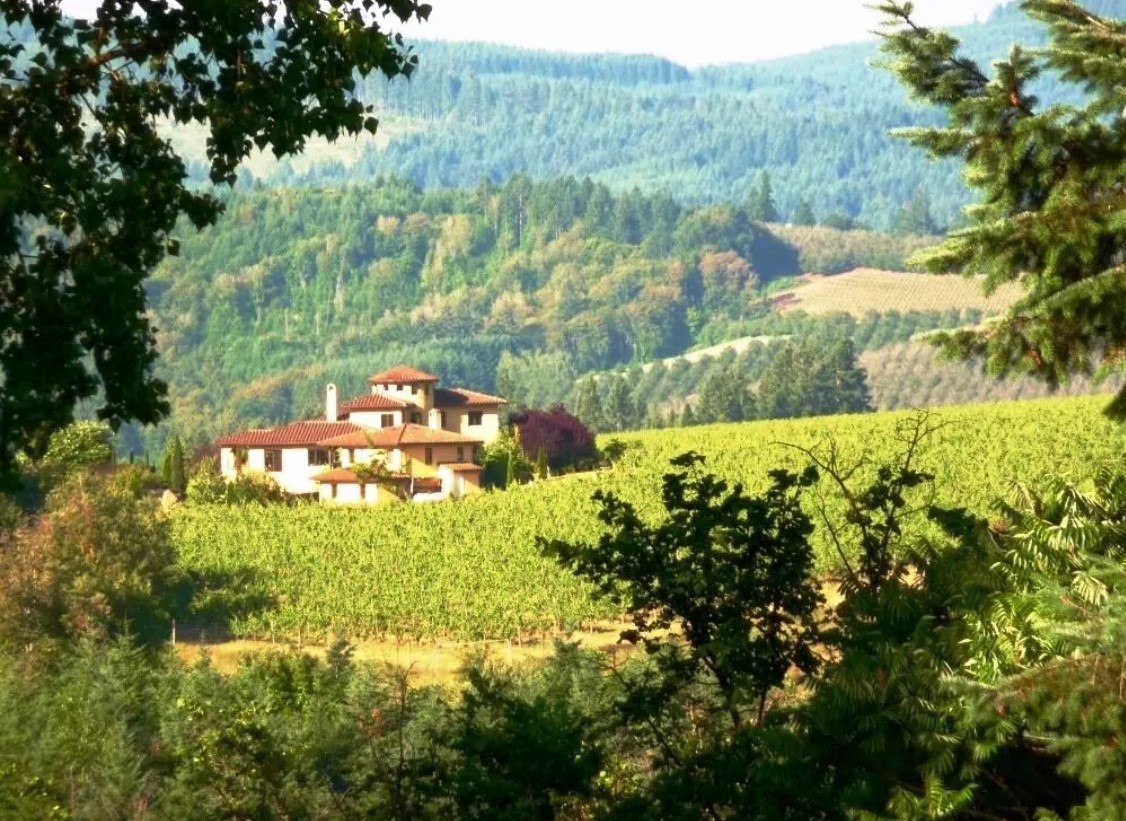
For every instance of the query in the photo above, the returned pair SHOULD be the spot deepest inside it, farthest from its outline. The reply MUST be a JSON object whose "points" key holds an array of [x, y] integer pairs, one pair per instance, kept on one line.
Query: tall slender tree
{"points": [[763, 207], [588, 404], [723, 398], [618, 409]]}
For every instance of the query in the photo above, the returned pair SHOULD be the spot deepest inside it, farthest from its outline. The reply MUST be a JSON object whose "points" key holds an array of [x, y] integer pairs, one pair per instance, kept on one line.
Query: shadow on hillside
{"points": [[209, 603]]}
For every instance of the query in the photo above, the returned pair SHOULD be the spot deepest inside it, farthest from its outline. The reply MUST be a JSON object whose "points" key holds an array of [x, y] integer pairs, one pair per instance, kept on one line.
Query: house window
{"points": [[442, 419], [332, 491], [430, 456], [273, 461], [387, 420], [475, 418], [414, 389], [416, 418], [461, 454], [364, 491], [319, 457]]}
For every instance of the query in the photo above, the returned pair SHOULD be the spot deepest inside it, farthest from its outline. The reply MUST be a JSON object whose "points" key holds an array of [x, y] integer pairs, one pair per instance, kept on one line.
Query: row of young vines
{"points": [[470, 570]]}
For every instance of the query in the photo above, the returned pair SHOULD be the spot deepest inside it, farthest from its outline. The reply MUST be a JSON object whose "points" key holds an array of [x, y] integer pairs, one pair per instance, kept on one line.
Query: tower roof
{"points": [[402, 374]]}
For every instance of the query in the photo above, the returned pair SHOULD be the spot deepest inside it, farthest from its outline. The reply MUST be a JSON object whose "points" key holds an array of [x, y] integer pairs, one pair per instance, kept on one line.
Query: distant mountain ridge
{"points": [[818, 123]]}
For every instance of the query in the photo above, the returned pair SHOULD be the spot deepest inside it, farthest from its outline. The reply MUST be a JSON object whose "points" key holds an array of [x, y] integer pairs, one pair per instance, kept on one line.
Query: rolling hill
{"points": [[818, 123]]}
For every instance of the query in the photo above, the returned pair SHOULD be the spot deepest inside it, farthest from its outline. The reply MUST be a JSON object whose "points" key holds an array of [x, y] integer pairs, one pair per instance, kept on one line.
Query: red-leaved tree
{"points": [[562, 438]]}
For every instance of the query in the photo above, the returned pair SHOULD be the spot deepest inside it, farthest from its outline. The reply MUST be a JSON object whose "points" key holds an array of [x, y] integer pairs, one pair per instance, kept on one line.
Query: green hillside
{"points": [[473, 570], [818, 123], [295, 287]]}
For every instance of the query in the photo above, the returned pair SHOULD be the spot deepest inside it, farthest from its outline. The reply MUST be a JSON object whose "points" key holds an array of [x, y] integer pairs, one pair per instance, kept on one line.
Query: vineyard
{"points": [[470, 570]]}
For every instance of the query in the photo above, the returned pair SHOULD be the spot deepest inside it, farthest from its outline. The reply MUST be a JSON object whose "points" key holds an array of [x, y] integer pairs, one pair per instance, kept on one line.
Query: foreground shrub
{"points": [[98, 563]]}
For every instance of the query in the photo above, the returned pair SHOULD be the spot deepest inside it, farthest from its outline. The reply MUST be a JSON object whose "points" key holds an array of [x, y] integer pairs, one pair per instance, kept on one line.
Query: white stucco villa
{"points": [[406, 439]]}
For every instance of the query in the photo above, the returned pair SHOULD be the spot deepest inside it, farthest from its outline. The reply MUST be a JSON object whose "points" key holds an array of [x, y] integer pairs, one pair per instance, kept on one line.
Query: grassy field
{"points": [[867, 290], [912, 374], [470, 570]]}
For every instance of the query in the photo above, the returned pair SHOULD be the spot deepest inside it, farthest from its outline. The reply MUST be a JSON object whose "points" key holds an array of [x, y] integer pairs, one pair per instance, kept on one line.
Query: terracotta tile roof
{"points": [[403, 375], [294, 435], [373, 401], [391, 438], [340, 476], [463, 467], [463, 398]]}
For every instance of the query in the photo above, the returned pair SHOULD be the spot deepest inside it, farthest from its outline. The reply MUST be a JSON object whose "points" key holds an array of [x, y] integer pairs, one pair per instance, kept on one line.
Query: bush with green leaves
{"points": [[99, 562], [289, 736], [208, 486], [76, 447]]}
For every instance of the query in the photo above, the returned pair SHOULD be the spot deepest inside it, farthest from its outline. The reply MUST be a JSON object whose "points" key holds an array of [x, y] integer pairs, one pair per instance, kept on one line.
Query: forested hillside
{"points": [[294, 286], [818, 123]]}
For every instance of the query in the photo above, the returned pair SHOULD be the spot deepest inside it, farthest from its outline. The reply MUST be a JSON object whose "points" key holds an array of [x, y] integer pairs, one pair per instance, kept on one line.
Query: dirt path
{"points": [[441, 662], [427, 662]]}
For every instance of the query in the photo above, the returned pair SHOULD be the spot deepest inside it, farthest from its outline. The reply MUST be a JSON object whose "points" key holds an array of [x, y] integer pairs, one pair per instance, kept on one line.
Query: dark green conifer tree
{"points": [[588, 405], [687, 417], [804, 214], [840, 384], [763, 207], [915, 217], [177, 477], [1050, 185], [723, 398], [619, 411]]}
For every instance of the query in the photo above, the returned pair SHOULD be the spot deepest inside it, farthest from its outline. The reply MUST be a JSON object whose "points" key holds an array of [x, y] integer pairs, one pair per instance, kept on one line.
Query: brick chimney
{"points": [[331, 412]]}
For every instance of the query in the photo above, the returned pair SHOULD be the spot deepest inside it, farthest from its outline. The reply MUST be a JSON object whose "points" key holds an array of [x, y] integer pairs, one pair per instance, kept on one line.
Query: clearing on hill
{"points": [[868, 290]]}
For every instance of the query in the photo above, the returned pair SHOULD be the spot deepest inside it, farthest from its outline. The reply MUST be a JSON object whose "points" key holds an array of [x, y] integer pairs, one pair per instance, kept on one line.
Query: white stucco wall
{"points": [[392, 460], [374, 419], [457, 420], [458, 485], [227, 463], [352, 495], [423, 399], [296, 475]]}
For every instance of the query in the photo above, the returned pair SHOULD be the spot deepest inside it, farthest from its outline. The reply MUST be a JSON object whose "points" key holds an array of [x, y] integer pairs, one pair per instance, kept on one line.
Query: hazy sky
{"points": [[698, 33]]}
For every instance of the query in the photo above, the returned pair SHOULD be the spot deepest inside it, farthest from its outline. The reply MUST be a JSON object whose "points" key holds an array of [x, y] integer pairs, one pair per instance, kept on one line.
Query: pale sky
{"points": [[700, 33]]}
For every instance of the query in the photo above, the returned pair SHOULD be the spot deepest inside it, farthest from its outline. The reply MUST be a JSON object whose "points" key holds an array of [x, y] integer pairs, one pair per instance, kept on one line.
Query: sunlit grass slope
{"points": [[470, 570]]}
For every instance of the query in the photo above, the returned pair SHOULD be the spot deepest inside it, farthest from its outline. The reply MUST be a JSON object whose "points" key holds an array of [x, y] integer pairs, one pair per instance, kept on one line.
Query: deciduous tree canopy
{"points": [[92, 191]]}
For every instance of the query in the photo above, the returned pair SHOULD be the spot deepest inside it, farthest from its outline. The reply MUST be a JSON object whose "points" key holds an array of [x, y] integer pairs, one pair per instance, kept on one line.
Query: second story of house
{"points": [[404, 395]]}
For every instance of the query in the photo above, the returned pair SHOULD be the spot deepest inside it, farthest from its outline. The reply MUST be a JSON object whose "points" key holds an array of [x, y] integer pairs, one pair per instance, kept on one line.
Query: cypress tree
{"points": [[177, 479], [619, 411], [763, 208], [166, 465], [1049, 180]]}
